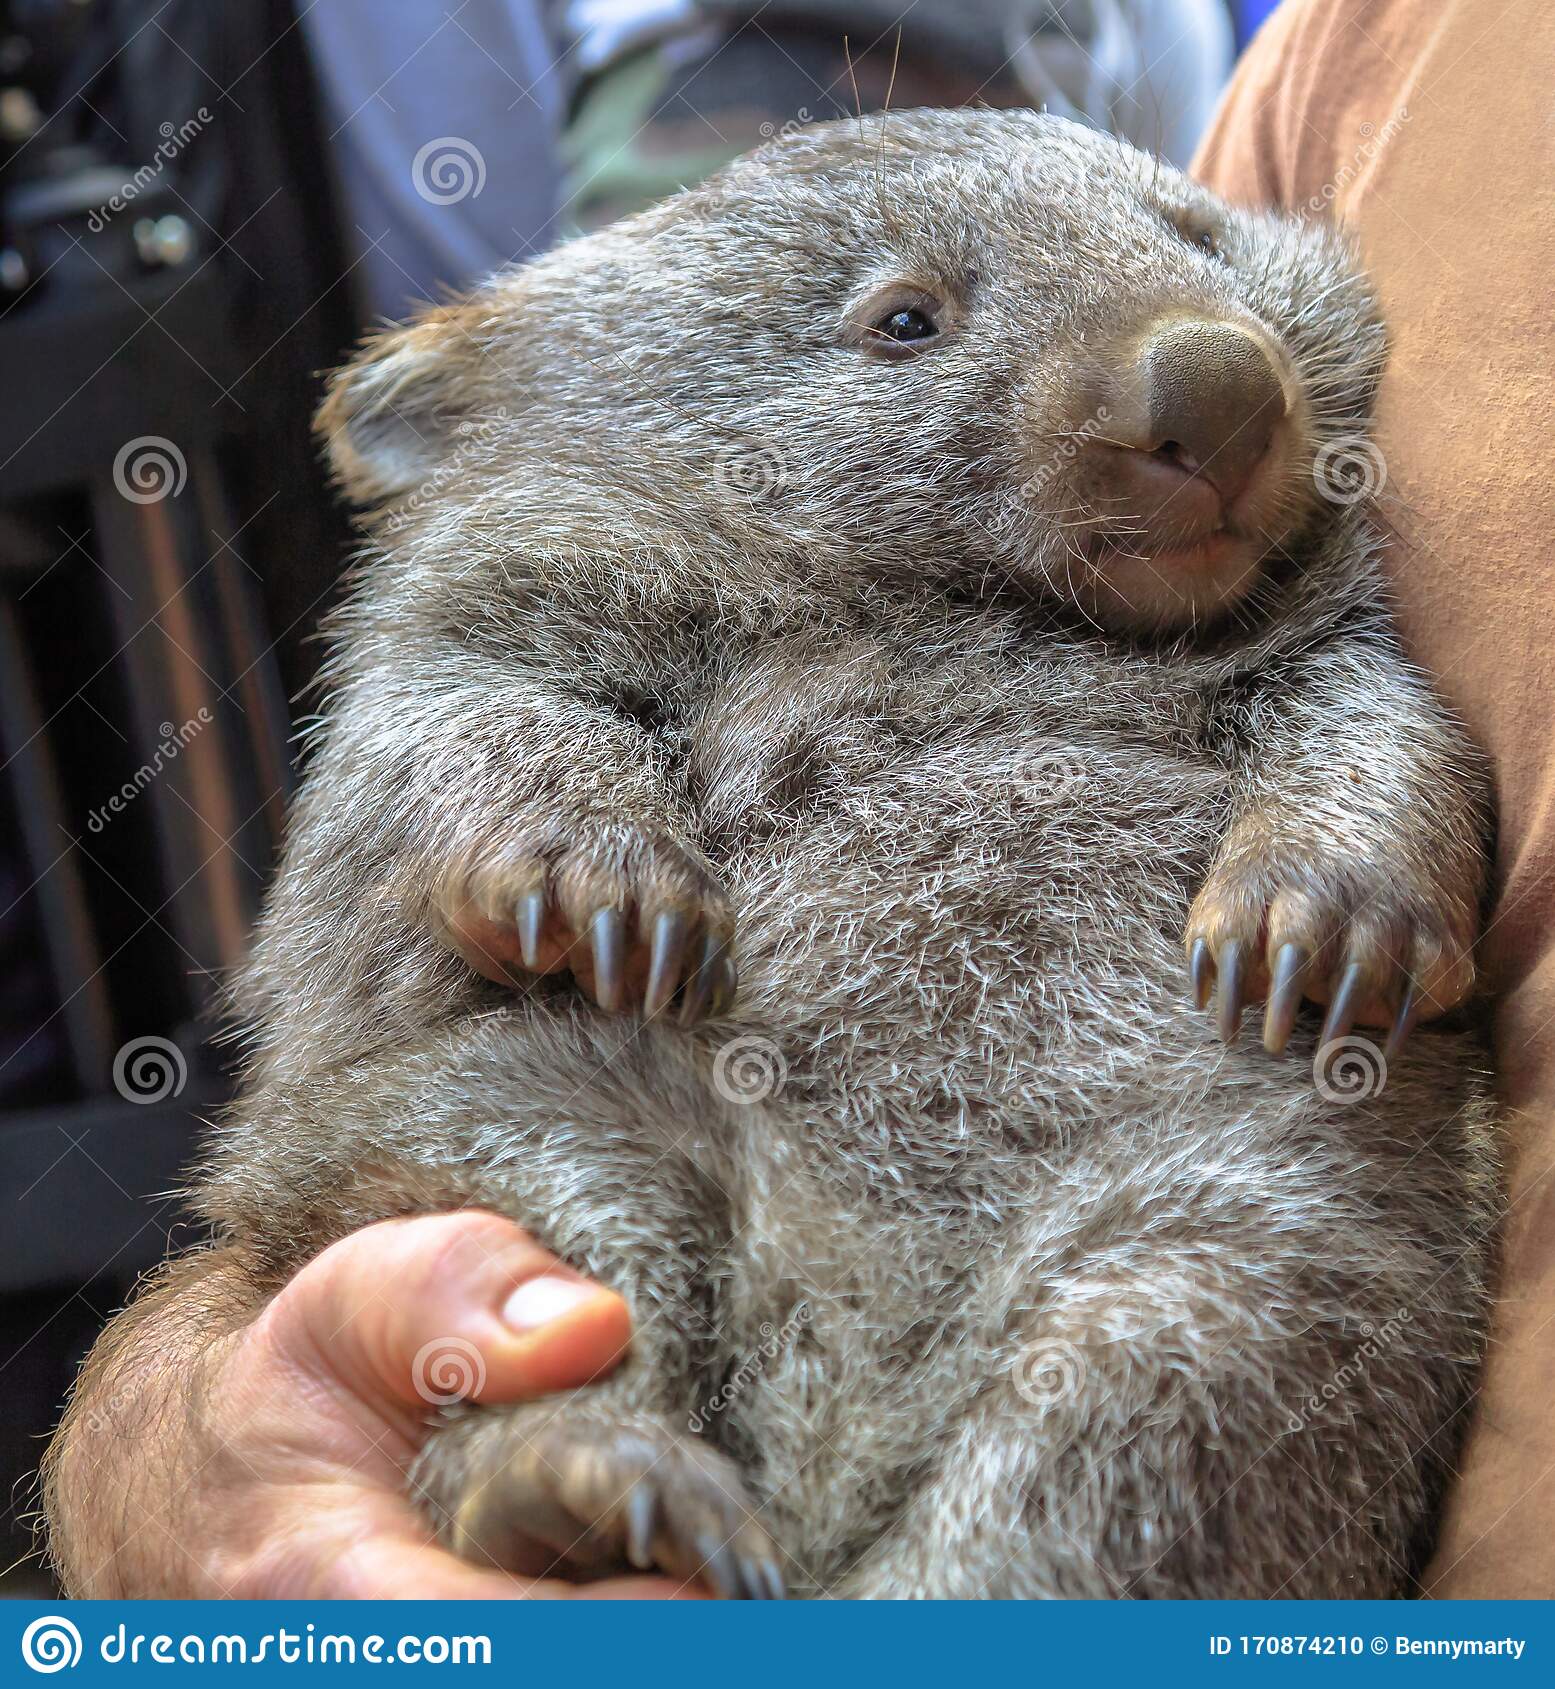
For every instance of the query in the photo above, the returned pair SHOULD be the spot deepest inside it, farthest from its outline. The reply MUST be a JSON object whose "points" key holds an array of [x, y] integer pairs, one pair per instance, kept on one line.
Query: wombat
{"points": [[831, 648]]}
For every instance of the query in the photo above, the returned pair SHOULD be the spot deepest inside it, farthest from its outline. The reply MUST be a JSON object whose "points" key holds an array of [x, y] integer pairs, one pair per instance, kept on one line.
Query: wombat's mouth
{"points": [[1186, 520], [1209, 553], [1167, 580]]}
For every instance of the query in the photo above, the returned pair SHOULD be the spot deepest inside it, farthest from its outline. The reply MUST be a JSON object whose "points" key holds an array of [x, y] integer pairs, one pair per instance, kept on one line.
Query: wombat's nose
{"points": [[1209, 398]]}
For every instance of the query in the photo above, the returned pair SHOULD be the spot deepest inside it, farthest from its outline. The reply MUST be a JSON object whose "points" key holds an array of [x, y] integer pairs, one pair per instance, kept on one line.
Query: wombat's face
{"points": [[986, 344]]}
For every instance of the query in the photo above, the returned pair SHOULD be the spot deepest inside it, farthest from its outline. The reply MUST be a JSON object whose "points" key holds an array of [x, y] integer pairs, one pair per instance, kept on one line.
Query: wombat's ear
{"points": [[389, 413]]}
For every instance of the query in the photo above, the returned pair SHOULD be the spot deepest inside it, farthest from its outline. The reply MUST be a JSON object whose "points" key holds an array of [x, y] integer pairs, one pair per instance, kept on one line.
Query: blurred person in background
{"points": [[665, 91], [605, 106]]}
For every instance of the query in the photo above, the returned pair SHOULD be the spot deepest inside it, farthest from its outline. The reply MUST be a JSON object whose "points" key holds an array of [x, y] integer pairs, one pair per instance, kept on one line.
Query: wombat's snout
{"points": [[1205, 397], [1187, 465]]}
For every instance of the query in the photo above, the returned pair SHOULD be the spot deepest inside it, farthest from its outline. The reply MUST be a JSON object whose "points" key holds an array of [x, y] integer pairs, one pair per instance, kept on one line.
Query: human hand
{"points": [[214, 1451]]}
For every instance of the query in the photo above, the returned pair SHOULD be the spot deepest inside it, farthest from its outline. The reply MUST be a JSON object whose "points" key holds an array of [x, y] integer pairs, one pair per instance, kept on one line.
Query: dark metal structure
{"points": [[170, 282]]}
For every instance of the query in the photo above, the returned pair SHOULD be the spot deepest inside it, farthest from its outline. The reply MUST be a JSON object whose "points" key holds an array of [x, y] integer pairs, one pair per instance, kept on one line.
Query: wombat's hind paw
{"points": [[638, 925], [596, 1499], [1375, 951]]}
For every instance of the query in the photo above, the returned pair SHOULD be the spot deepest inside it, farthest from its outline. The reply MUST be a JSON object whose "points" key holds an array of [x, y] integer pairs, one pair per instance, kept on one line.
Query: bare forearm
{"points": [[116, 1474]]}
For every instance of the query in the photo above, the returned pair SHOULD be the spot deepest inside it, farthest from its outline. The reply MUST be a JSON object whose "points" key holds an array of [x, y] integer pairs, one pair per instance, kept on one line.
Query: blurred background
{"points": [[201, 207]]}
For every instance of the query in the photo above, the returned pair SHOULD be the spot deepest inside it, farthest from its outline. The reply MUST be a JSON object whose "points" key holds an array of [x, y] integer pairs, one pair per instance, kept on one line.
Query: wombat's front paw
{"points": [[635, 920], [1378, 948], [598, 1498]]}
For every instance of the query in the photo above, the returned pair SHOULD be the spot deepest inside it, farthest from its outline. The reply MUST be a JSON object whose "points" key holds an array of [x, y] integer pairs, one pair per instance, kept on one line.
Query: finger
{"points": [[422, 1311], [1442, 971], [1369, 981], [487, 946], [1301, 921], [501, 926]]}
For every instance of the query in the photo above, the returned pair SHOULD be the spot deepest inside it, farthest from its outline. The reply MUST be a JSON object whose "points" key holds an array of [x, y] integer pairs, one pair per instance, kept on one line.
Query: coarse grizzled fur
{"points": [[965, 1259]]}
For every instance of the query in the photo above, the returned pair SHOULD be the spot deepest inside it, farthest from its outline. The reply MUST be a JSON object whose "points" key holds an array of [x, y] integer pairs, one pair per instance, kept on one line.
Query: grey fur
{"points": [[1020, 1283]]}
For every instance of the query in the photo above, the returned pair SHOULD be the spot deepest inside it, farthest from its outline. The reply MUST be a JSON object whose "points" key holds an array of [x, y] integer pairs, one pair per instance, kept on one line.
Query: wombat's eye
{"points": [[1198, 231], [898, 321], [907, 325]]}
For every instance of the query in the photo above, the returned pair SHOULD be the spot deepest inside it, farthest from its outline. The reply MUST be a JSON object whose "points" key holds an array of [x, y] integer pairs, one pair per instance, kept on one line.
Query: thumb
{"points": [[439, 1308]]}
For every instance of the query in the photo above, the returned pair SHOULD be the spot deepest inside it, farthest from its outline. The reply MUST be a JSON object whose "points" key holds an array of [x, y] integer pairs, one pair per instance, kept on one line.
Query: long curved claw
{"points": [[531, 920], [699, 986], [720, 1565], [1403, 1021], [668, 958], [608, 931], [1201, 973], [724, 987], [761, 1577], [642, 1509], [772, 1576], [1290, 967], [1346, 1001], [1232, 998]]}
